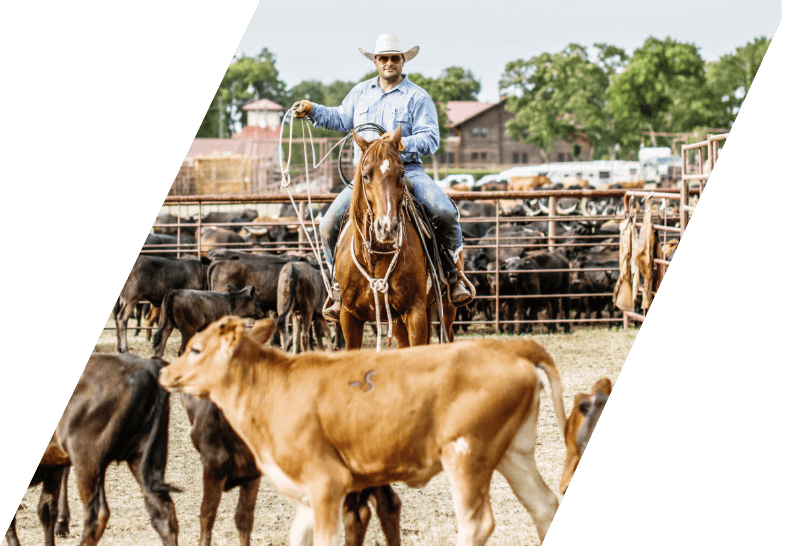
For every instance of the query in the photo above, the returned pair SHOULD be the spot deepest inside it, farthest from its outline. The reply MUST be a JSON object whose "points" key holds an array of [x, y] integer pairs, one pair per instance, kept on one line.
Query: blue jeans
{"points": [[441, 209]]}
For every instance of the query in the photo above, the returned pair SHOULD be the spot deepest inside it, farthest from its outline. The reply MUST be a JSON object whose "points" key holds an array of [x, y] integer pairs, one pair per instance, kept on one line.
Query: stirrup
{"points": [[332, 306], [332, 310], [467, 295]]}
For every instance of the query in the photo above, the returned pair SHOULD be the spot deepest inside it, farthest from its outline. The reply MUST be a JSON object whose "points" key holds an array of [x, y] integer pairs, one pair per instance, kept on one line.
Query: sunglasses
{"points": [[385, 58]]}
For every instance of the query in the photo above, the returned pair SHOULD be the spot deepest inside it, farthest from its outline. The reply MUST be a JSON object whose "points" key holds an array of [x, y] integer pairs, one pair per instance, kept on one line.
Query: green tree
{"points": [[335, 92], [209, 127], [246, 79], [663, 89], [454, 84], [559, 96], [732, 75]]}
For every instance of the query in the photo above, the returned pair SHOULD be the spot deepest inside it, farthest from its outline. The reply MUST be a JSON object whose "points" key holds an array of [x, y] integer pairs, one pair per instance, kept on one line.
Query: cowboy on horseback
{"points": [[391, 100]]}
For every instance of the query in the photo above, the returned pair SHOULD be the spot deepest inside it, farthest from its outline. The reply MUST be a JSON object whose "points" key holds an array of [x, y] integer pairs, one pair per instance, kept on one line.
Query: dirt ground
{"points": [[427, 515]]}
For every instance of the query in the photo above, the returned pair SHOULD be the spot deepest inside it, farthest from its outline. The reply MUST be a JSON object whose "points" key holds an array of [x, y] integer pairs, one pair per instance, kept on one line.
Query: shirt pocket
{"points": [[360, 116], [402, 117]]}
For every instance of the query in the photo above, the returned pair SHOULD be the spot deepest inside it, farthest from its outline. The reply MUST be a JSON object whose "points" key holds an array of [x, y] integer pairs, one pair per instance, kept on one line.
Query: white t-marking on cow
{"points": [[461, 446]]}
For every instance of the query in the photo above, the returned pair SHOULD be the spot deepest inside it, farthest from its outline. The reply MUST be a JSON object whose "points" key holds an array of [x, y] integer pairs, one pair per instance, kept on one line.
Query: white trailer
{"points": [[599, 173]]}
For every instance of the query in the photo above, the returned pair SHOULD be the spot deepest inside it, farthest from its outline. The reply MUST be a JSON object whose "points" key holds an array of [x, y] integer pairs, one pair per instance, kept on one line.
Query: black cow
{"points": [[191, 311], [167, 246], [164, 219], [301, 292], [227, 463], [263, 273], [514, 240], [538, 274], [272, 233], [215, 255], [150, 279], [237, 219], [117, 413], [479, 210], [510, 308], [595, 273], [215, 238]]}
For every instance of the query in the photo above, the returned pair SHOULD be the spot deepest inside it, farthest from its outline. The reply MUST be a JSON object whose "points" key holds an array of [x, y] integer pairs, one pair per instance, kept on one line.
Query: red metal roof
{"points": [[257, 148], [257, 132], [460, 111]]}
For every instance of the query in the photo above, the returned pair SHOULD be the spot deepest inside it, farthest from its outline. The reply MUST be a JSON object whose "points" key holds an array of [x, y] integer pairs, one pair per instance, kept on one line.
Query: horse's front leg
{"points": [[400, 332], [448, 314], [418, 326], [353, 329]]}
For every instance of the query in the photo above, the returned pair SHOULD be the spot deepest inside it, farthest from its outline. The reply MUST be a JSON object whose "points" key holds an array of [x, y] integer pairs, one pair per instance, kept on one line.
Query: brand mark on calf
{"points": [[368, 382]]}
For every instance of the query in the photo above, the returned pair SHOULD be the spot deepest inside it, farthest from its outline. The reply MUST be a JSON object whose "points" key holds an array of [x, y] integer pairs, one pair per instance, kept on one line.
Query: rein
{"points": [[377, 285]]}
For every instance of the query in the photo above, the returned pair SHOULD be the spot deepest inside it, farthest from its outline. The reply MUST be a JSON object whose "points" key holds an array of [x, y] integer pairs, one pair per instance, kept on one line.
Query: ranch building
{"points": [[479, 138]]}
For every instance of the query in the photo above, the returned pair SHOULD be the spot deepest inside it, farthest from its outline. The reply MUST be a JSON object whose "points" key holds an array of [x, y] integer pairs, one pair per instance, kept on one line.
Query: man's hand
{"points": [[302, 108], [387, 137]]}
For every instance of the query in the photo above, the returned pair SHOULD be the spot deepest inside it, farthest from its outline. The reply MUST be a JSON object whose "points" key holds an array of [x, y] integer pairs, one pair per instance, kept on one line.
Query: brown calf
{"points": [[228, 463], [587, 408], [321, 426]]}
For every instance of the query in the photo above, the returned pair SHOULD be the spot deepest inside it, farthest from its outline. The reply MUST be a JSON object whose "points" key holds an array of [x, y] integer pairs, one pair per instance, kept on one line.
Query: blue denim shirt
{"points": [[407, 105]]}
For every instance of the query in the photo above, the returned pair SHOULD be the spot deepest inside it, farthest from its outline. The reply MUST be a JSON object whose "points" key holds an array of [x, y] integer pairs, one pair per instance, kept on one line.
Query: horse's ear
{"points": [[362, 143], [395, 139]]}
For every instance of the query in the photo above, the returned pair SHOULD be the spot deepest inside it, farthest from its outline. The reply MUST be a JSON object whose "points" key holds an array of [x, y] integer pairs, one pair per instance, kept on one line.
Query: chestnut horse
{"points": [[380, 247]]}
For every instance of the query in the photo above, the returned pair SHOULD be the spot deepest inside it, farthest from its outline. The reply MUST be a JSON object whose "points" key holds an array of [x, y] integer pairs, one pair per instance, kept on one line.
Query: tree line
{"points": [[601, 92]]}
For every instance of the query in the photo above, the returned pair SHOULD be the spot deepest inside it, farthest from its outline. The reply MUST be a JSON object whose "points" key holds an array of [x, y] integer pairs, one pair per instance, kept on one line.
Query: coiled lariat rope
{"points": [[286, 184]]}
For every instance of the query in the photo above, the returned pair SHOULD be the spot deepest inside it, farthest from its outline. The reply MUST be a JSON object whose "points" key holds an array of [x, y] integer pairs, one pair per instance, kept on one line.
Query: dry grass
{"points": [[427, 516]]}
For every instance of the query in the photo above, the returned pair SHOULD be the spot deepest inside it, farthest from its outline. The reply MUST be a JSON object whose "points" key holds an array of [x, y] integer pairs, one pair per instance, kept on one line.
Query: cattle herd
{"points": [[331, 430]]}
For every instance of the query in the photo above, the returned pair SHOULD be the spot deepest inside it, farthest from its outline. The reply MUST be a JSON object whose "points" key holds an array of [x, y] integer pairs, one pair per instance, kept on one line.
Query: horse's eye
{"points": [[195, 351], [365, 178]]}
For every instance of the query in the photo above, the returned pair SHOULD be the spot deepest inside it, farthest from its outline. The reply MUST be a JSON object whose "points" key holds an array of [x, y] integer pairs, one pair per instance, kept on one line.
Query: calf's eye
{"points": [[195, 351]]}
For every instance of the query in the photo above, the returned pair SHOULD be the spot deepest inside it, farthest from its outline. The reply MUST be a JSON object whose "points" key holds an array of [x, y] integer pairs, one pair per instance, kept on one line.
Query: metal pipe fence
{"points": [[697, 160], [495, 308]]}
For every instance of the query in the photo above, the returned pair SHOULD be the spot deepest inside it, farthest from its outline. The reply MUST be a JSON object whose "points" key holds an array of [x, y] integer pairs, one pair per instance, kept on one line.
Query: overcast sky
{"points": [[314, 39]]}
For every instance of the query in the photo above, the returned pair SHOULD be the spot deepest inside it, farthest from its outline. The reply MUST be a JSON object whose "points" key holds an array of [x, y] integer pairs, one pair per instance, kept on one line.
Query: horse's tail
{"points": [[285, 296]]}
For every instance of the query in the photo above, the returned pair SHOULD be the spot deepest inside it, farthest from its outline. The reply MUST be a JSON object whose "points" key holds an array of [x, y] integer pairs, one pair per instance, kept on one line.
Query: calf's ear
{"points": [[263, 330], [229, 330], [602, 385]]}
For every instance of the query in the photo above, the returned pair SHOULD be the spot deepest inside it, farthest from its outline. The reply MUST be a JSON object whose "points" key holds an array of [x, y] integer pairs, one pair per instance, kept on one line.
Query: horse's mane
{"points": [[380, 151]]}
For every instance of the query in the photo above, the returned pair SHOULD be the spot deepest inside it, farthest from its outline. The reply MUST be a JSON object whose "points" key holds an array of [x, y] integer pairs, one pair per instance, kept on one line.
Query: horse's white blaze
{"points": [[385, 166]]}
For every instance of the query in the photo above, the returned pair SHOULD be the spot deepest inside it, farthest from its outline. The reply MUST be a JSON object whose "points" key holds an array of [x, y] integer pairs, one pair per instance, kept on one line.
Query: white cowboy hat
{"points": [[389, 43]]}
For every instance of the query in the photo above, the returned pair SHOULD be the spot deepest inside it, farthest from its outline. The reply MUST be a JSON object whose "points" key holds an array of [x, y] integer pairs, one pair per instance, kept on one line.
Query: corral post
{"points": [[496, 271], [302, 235], [199, 229], [552, 222]]}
